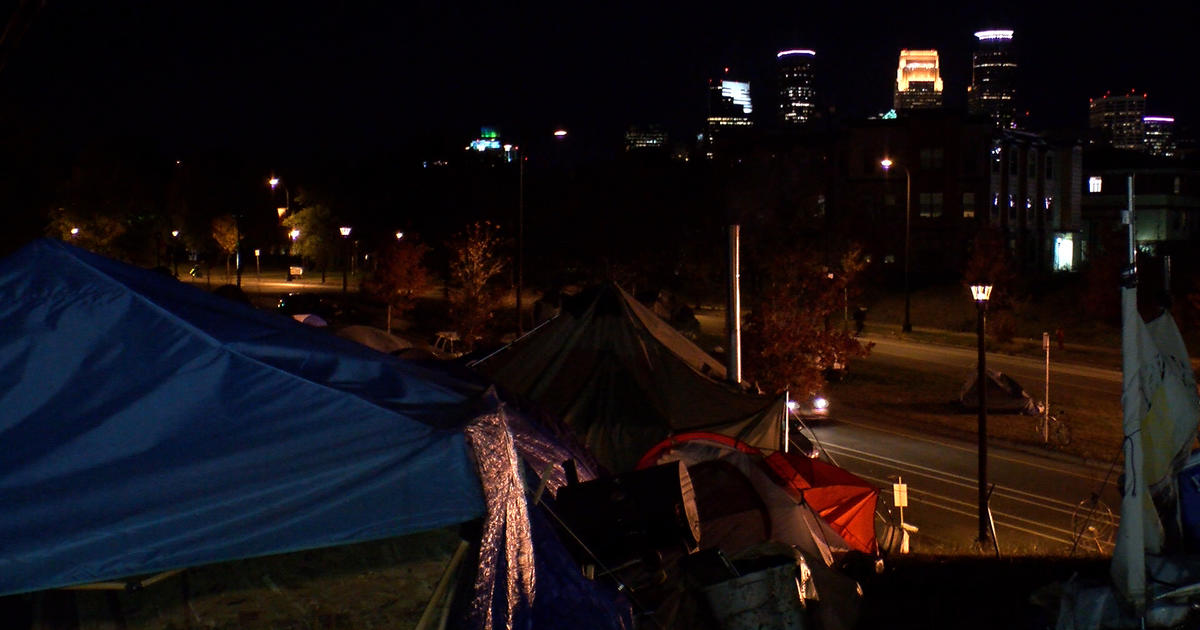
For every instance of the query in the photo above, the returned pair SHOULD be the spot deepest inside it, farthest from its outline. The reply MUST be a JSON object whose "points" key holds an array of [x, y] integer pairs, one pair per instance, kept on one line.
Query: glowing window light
{"points": [[738, 92], [797, 51], [994, 34], [1064, 252], [1095, 184], [1163, 119]]}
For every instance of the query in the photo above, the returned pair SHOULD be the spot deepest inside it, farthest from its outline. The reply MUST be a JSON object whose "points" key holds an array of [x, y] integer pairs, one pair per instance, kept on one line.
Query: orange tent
{"points": [[843, 501]]}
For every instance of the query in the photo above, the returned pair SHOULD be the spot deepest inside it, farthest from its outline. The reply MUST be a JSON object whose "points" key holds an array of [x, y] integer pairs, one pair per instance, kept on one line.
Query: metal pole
{"points": [[520, 239], [1046, 409], [733, 316], [982, 386], [907, 327]]}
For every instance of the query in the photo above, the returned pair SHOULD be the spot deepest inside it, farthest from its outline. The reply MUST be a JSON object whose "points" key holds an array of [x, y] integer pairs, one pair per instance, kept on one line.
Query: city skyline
{"points": [[282, 78]]}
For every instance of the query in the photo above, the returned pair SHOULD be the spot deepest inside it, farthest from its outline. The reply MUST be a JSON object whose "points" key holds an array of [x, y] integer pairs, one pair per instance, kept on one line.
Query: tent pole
{"points": [[440, 591]]}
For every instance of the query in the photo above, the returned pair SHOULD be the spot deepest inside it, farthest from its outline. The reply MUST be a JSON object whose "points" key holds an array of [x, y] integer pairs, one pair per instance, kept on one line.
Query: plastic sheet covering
{"points": [[147, 425], [506, 528]]}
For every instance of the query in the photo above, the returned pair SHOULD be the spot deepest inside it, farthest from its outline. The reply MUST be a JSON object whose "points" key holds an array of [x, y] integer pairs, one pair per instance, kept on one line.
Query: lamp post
{"points": [[559, 134], [981, 293], [520, 240], [345, 231], [274, 182], [175, 252], [887, 164]]}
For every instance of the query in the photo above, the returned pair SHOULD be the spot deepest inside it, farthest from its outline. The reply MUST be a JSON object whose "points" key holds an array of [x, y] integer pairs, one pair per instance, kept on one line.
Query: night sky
{"points": [[342, 78]]}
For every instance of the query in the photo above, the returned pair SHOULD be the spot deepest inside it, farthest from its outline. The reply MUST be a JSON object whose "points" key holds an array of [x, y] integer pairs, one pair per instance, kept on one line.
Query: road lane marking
{"points": [[1026, 461], [1008, 493]]}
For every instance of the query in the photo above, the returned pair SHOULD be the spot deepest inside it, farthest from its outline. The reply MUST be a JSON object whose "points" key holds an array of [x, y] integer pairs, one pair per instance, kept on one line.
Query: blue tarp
{"points": [[146, 425]]}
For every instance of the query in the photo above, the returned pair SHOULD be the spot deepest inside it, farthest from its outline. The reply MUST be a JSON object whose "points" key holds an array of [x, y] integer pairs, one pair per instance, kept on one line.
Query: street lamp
{"points": [[274, 182], [887, 164], [175, 252], [559, 134], [345, 230], [981, 293]]}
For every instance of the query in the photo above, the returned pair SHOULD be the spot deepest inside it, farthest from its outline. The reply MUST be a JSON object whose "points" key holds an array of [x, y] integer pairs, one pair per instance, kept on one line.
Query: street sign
{"points": [[900, 494], [1045, 341]]}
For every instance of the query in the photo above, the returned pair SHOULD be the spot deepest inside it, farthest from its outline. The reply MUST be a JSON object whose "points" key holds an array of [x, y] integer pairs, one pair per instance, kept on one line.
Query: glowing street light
{"points": [[399, 235], [981, 293], [887, 164], [74, 231], [295, 234], [345, 231]]}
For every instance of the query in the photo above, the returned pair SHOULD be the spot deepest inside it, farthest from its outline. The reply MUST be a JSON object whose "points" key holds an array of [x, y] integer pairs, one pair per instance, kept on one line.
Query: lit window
{"points": [[968, 205], [1095, 184]]}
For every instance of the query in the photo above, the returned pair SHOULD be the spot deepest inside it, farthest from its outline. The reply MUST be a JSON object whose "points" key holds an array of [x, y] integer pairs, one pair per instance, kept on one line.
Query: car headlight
{"points": [[820, 404]]}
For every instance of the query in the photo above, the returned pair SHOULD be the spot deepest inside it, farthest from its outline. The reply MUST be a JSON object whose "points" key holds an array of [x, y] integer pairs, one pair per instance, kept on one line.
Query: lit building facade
{"points": [[918, 81], [1159, 134], [966, 176], [1166, 204], [729, 110], [797, 97], [993, 78], [645, 138], [1117, 120]]}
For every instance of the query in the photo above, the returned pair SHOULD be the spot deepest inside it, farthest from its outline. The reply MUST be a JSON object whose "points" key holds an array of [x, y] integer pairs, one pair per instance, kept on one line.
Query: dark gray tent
{"points": [[623, 380], [1003, 394]]}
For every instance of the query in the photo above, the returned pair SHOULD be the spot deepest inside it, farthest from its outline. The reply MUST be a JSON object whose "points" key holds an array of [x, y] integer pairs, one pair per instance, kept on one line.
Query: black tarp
{"points": [[622, 379]]}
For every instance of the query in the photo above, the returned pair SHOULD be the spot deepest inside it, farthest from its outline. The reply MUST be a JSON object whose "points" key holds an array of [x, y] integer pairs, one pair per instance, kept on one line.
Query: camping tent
{"points": [[745, 498], [623, 380], [783, 483], [148, 425], [1003, 394]]}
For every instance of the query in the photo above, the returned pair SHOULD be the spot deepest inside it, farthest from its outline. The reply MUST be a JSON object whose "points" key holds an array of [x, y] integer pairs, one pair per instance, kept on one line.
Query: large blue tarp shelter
{"points": [[146, 425]]}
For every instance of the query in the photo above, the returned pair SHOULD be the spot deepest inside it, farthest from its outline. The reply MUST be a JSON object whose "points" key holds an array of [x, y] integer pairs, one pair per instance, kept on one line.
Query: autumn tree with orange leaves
{"points": [[475, 260], [400, 275], [790, 339]]}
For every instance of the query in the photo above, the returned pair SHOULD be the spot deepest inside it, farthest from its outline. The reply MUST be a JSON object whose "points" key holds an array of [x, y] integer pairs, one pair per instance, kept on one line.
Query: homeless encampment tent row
{"points": [[640, 395], [148, 426]]}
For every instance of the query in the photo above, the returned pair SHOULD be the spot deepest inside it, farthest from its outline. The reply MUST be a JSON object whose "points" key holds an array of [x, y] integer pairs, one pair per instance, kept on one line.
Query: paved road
{"points": [[1032, 504], [958, 362], [1036, 492]]}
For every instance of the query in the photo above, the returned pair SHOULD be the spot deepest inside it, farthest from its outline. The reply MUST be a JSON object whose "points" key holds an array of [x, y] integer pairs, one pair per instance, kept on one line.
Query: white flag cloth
{"points": [[1161, 411]]}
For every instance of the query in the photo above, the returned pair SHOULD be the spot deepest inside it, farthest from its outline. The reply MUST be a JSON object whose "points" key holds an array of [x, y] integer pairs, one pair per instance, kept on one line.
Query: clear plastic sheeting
{"points": [[506, 524]]}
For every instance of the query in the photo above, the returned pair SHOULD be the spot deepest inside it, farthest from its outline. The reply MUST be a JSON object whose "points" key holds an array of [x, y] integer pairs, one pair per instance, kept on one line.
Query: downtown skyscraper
{"points": [[1118, 120], [993, 79], [918, 81], [797, 97]]}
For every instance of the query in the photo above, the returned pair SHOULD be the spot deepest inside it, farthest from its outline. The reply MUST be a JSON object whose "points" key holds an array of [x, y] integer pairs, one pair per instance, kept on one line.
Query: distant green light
{"points": [[488, 132]]}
